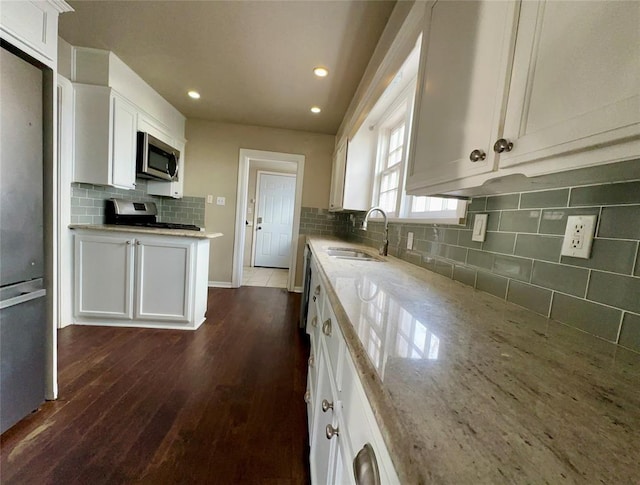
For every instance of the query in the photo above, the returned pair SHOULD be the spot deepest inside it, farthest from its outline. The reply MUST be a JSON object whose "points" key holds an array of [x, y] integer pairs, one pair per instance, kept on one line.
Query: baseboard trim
{"points": [[220, 284]]}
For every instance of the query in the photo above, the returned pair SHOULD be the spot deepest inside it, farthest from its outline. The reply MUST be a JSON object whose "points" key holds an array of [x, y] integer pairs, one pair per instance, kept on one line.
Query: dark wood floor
{"points": [[221, 405]]}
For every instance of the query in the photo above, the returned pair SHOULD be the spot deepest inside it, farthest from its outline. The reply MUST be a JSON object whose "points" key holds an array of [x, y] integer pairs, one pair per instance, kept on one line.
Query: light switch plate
{"points": [[209, 199], [578, 236], [410, 240], [221, 201], [479, 227]]}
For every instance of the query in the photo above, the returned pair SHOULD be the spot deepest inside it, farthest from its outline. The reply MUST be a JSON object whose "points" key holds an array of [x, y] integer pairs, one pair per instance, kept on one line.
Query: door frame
{"points": [[255, 212], [245, 157]]}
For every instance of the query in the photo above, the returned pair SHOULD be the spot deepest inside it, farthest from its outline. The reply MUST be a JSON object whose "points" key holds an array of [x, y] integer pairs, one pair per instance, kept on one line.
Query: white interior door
{"points": [[274, 219]]}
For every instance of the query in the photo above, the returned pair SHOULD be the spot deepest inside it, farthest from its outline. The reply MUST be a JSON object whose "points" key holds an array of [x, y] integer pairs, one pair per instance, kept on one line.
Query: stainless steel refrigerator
{"points": [[22, 294]]}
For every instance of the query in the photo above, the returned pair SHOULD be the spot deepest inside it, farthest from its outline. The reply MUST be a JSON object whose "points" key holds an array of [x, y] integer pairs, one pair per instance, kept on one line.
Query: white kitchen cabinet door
{"points": [[464, 67], [575, 85], [103, 276], [323, 450], [337, 177], [123, 143], [104, 137], [32, 26], [164, 276]]}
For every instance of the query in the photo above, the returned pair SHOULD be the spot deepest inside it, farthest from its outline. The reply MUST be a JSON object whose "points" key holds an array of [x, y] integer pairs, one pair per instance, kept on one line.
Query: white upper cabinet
{"points": [[33, 27], [532, 88], [575, 84], [105, 137], [464, 68]]}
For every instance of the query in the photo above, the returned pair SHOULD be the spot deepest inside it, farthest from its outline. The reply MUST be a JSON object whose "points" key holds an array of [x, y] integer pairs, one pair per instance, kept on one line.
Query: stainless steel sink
{"points": [[350, 253]]}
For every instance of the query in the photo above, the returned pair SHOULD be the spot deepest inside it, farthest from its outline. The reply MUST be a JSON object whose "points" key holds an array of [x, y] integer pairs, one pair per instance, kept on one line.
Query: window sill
{"points": [[434, 220]]}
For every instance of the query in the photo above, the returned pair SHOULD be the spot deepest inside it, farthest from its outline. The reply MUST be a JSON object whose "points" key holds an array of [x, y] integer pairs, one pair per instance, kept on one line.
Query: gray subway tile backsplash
{"points": [[599, 320], [621, 222], [498, 202], [615, 290], [493, 284], [522, 253], [630, 332], [88, 203], [531, 297], [606, 194], [544, 198], [520, 221], [545, 248], [567, 279]]}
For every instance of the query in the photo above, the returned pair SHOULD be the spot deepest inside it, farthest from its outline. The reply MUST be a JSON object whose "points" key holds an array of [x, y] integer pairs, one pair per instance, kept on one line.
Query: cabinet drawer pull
{"points": [[314, 321], [326, 327], [477, 156], [365, 467], [326, 405], [314, 298], [502, 145], [307, 397], [331, 431], [128, 243], [317, 290], [312, 361]]}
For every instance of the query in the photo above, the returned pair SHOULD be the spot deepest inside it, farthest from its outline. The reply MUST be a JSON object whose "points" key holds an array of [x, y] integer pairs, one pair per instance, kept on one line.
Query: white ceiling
{"points": [[251, 61]]}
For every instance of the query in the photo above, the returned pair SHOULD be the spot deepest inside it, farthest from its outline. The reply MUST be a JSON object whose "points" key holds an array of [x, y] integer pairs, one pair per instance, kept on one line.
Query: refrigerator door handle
{"points": [[16, 300]]}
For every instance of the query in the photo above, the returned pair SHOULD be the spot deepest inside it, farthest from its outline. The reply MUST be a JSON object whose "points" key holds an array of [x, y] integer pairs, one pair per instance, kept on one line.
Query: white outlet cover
{"points": [[578, 236], [221, 201], [209, 199], [479, 227]]}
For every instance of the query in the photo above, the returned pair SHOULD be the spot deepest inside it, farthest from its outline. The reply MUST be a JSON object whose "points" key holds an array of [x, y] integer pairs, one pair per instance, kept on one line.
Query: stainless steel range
{"points": [[145, 214]]}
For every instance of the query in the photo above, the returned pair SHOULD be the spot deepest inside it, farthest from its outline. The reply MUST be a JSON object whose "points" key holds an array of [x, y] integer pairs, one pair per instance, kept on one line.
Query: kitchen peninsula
{"points": [[465, 387], [140, 277]]}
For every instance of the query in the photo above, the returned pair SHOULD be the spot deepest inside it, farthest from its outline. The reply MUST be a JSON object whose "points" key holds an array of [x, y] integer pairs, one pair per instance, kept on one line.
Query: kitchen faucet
{"points": [[385, 243]]}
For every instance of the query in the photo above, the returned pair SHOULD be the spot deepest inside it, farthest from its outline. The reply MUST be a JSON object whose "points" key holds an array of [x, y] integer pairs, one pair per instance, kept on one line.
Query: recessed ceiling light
{"points": [[315, 109], [194, 94], [320, 71]]}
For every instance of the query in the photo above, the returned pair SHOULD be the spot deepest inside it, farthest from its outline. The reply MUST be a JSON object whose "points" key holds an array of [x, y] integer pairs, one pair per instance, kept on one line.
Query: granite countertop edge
{"points": [[407, 459], [152, 231]]}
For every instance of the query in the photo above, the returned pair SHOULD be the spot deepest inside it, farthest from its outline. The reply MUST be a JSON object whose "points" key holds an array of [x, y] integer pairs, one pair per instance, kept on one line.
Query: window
{"points": [[392, 117]]}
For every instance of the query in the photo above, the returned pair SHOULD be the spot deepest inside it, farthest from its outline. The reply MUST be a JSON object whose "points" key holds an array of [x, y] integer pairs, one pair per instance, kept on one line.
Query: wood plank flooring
{"points": [[221, 405]]}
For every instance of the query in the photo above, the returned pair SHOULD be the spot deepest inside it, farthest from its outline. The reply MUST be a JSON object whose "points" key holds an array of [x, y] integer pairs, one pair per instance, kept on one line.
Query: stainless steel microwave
{"points": [[156, 159]]}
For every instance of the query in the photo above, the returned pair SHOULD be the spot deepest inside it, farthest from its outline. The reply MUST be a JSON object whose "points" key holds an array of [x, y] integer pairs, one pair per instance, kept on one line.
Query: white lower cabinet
{"points": [[341, 421], [104, 276], [132, 280]]}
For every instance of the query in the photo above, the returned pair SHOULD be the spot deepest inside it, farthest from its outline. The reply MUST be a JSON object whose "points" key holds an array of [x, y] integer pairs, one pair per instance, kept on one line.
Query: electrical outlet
{"points": [[410, 240], [221, 201], [578, 236], [479, 227]]}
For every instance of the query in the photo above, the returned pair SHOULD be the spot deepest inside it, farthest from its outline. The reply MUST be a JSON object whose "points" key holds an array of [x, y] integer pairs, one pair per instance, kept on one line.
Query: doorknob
{"points": [[259, 228]]}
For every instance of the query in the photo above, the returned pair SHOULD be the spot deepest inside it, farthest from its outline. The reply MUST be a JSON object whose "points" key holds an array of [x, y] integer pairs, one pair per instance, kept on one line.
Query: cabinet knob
{"points": [[477, 156], [128, 243], [317, 291], [315, 298], [307, 397], [326, 405], [311, 361], [326, 327], [314, 321], [331, 431], [137, 243], [502, 145]]}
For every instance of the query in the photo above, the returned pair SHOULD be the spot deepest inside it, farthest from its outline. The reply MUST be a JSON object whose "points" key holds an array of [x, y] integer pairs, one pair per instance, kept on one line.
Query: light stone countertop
{"points": [[468, 388], [154, 231]]}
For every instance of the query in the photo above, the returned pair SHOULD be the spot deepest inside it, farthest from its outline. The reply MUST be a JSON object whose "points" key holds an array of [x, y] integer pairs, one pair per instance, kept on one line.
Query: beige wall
{"points": [[211, 167]]}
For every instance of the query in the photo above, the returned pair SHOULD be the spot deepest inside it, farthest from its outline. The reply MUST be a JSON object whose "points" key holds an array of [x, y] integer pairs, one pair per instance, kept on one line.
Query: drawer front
{"points": [[363, 428], [334, 341]]}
